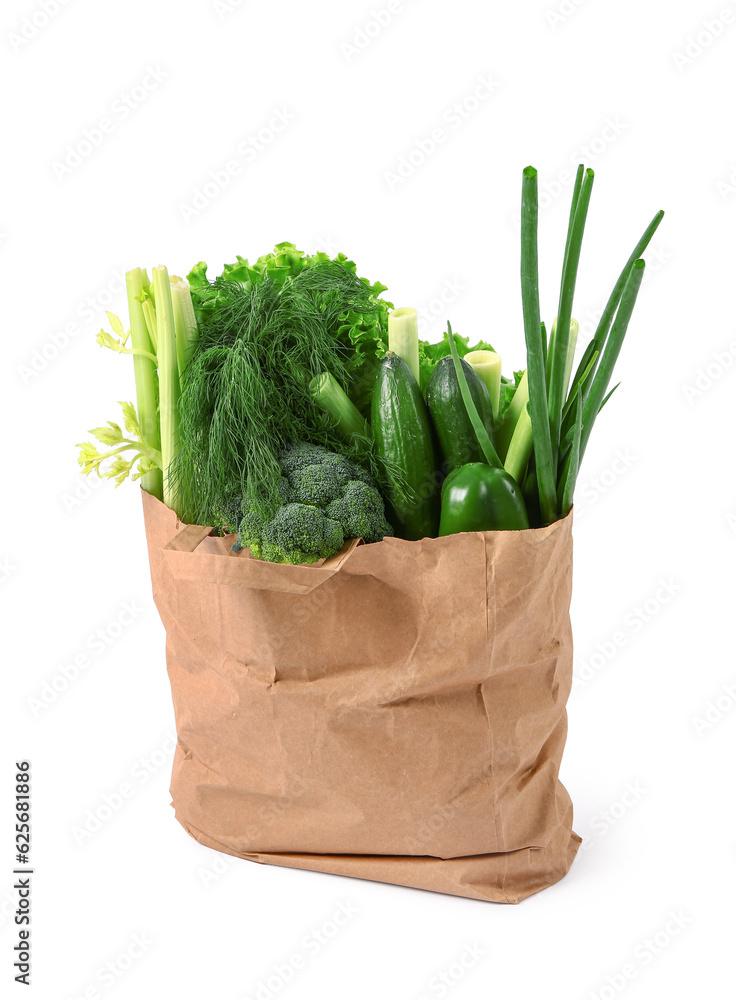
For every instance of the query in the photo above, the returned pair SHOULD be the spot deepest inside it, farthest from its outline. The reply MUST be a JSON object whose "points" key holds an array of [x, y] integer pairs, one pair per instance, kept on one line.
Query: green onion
{"points": [[545, 465], [332, 398], [168, 374], [486, 445], [145, 378], [609, 312], [599, 386], [559, 356], [568, 487]]}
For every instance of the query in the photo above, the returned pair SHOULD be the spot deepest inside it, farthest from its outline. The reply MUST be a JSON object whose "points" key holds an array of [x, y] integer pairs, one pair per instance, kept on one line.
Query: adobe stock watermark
{"points": [[634, 623], [596, 487], [246, 152], [110, 804], [704, 36], [603, 821], [446, 980], [111, 972], [311, 945], [452, 120], [372, 27], [119, 110], [436, 308], [88, 311], [224, 7], [710, 373], [716, 710], [35, 22], [562, 12], [95, 645], [588, 152], [8, 569], [643, 955], [84, 488]]}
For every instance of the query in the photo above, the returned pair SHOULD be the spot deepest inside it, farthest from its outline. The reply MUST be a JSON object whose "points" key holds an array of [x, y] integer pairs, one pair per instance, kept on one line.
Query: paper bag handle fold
{"points": [[188, 562]]}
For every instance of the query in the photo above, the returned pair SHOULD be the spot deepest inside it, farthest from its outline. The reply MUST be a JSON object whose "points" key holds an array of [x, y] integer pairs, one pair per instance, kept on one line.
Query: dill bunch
{"points": [[245, 393]]}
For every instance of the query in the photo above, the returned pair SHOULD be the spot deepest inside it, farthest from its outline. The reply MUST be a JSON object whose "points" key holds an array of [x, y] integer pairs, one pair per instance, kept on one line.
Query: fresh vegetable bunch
{"points": [[289, 402]]}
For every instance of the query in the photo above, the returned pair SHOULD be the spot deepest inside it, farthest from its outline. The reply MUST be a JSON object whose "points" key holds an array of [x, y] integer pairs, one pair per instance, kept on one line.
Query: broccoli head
{"points": [[299, 534], [324, 498]]}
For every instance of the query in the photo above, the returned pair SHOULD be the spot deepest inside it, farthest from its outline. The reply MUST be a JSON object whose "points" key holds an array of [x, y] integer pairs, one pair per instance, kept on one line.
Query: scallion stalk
{"points": [[559, 356], [168, 374], [145, 378], [486, 445], [332, 398], [545, 466]]}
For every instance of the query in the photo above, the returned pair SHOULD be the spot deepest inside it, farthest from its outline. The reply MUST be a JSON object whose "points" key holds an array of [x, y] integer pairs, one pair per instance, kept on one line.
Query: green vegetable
{"points": [[324, 499], [517, 396], [478, 497], [431, 354], [361, 328], [168, 382], [246, 392], [535, 352], [481, 433], [146, 377], [487, 366], [457, 439], [403, 437], [403, 338], [336, 403]]}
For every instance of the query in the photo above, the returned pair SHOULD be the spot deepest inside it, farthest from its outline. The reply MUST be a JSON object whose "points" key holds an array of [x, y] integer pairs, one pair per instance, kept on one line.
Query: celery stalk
{"points": [[403, 337], [168, 374], [331, 397], [487, 365], [145, 378]]}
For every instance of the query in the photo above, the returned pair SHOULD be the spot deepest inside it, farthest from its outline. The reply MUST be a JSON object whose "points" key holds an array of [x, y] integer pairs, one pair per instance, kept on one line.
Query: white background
{"points": [[647, 90]]}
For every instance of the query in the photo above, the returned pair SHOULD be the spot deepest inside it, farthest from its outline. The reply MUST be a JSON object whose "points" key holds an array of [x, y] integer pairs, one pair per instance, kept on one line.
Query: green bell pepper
{"points": [[479, 497]]}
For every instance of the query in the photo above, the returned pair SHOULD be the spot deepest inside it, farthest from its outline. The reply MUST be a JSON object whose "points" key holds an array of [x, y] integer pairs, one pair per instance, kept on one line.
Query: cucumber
{"points": [[402, 433], [457, 439]]}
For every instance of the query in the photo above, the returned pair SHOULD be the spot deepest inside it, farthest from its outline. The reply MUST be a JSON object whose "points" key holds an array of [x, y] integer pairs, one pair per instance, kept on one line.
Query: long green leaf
{"points": [[534, 349], [480, 432], [599, 386], [568, 488], [558, 360], [604, 325]]}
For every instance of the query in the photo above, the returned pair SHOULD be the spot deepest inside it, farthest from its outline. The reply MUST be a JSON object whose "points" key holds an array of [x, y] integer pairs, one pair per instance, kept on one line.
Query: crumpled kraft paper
{"points": [[396, 713]]}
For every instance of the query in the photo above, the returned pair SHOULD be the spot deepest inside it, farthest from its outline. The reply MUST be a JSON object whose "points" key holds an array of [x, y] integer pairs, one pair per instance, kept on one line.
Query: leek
{"points": [[185, 323], [502, 436], [344, 414], [487, 365], [403, 337]]}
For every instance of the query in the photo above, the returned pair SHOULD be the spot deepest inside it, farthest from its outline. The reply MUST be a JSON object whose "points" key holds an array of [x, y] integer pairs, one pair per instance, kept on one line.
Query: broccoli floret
{"points": [[323, 499], [227, 512], [359, 509], [317, 484], [300, 534]]}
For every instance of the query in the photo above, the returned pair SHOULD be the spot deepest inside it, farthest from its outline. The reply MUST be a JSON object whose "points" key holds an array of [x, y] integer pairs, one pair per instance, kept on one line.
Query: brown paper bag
{"points": [[396, 713]]}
